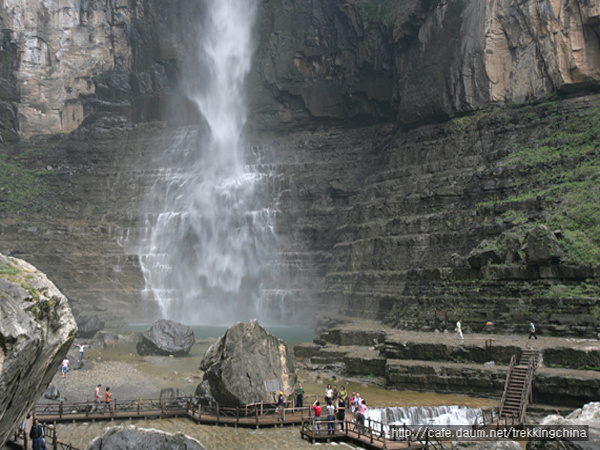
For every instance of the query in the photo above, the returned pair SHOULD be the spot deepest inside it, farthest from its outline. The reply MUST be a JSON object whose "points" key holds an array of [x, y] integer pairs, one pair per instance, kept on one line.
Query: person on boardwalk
{"points": [[329, 395], [459, 330], [82, 347], [107, 396], [532, 330], [362, 412], [300, 396], [97, 397], [280, 406], [341, 411], [317, 410], [330, 419], [36, 434], [343, 393], [64, 367]]}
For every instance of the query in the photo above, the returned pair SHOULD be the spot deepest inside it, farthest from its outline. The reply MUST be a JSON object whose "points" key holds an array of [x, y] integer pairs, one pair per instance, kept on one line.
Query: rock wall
{"points": [[36, 331], [381, 197]]}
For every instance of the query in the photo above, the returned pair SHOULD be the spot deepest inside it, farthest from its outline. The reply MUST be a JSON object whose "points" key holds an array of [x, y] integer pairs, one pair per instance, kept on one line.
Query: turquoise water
{"points": [[290, 334]]}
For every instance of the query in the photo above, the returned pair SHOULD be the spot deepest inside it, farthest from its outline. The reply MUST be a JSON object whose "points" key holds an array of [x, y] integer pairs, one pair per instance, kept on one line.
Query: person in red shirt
{"points": [[317, 409]]}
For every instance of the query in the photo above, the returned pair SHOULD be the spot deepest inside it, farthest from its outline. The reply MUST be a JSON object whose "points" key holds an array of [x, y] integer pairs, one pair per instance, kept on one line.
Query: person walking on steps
{"points": [[37, 436], [532, 330]]}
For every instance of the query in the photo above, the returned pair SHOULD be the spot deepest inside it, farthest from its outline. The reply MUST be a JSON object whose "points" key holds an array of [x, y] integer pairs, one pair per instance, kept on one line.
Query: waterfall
{"points": [[210, 236], [424, 415]]}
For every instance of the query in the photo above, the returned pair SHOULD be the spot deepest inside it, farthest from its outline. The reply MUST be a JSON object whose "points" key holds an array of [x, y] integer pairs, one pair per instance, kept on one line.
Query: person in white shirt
{"points": [[459, 330]]}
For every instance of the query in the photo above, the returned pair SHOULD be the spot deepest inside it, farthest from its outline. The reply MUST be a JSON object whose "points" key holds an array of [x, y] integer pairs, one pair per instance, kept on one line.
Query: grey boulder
{"points": [[166, 337], [133, 438], [246, 365]]}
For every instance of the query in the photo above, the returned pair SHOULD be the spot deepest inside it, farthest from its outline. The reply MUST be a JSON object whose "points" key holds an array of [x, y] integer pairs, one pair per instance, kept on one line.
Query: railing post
{"points": [[256, 414], [261, 407], [139, 406], [54, 438], [218, 418], [237, 415], [60, 409], [87, 408], [163, 405]]}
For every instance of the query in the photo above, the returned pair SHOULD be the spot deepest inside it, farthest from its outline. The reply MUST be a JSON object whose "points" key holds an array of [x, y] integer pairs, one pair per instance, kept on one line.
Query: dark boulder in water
{"points": [[166, 337]]}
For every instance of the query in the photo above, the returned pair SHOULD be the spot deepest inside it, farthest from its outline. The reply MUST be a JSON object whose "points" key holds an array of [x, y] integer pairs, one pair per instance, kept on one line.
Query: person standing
{"points": [[64, 367], [317, 410], [300, 396], [36, 435], [329, 395], [280, 406], [532, 330], [362, 412], [459, 330], [330, 419], [107, 396], [97, 398], [341, 412], [82, 347]]}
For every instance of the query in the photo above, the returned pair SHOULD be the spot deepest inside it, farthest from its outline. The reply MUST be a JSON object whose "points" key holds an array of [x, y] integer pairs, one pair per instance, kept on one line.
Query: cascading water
{"points": [[210, 236], [425, 415]]}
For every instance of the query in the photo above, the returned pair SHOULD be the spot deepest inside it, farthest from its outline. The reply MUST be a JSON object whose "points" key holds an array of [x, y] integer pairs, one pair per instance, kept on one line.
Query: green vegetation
{"points": [[23, 277], [561, 172], [21, 190]]}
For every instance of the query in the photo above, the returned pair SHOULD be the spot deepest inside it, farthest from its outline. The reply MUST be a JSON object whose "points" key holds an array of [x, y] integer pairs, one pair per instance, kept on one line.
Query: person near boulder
{"points": [[36, 434], [82, 347], [532, 330], [280, 406], [300, 396], [317, 410], [64, 367]]}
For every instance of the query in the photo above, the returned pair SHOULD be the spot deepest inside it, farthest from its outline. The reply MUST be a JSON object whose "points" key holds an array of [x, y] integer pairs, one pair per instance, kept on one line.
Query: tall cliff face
{"points": [[379, 208], [414, 61], [36, 330]]}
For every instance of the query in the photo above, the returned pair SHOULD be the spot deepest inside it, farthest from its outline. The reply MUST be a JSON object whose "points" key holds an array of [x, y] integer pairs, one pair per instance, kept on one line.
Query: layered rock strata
{"points": [[36, 331]]}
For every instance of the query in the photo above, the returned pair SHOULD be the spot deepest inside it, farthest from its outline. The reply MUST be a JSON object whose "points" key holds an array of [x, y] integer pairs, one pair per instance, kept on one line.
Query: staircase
{"points": [[517, 389]]}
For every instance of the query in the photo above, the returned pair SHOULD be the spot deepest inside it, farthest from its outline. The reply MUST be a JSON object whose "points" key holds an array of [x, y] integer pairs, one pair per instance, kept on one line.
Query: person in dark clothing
{"points": [[36, 435], [341, 412], [532, 330]]}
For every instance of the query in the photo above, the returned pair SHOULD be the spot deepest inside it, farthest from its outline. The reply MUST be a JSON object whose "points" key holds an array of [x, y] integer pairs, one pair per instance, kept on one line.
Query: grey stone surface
{"points": [[166, 337], [237, 366], [133, 438], [36, 332]]}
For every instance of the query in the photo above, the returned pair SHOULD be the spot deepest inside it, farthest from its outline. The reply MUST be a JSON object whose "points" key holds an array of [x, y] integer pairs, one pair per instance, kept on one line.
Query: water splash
{"points": [[211, 237]]}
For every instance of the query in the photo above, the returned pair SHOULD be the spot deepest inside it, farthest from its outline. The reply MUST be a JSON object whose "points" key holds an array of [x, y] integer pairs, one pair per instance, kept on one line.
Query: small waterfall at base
{"points": [[211, 236], [425, 415]]}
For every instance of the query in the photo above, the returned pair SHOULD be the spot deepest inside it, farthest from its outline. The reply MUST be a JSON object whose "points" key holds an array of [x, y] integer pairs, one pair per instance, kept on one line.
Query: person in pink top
{"points": [[362, 412]]}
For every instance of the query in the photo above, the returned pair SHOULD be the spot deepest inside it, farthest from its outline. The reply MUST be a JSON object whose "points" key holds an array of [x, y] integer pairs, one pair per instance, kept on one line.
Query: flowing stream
{"points": [[210, 240]]}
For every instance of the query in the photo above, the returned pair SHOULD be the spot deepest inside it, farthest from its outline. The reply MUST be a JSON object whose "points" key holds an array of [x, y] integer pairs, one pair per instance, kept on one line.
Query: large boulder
{"points": [[166, 337], [588, 415], [89, 325], [245, 364], [541, 246], [36, 331], [133, 438]]}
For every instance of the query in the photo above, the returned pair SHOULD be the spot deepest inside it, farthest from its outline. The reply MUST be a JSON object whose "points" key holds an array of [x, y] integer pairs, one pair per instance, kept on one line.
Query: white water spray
{"points": [[210, 238]]}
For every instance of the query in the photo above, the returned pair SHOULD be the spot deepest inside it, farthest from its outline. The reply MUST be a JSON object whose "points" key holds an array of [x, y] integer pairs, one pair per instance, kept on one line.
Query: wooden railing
{"points": [[513, 361], [135, 407], [527, 389]]}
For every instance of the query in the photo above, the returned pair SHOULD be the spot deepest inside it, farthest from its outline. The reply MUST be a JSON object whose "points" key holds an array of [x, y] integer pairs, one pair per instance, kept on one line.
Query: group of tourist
{"points": [[65, 365], [337, 403]]}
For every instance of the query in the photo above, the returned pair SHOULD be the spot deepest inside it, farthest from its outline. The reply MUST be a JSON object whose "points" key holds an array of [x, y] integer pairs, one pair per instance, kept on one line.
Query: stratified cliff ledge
{"points": [[36, 331]]}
